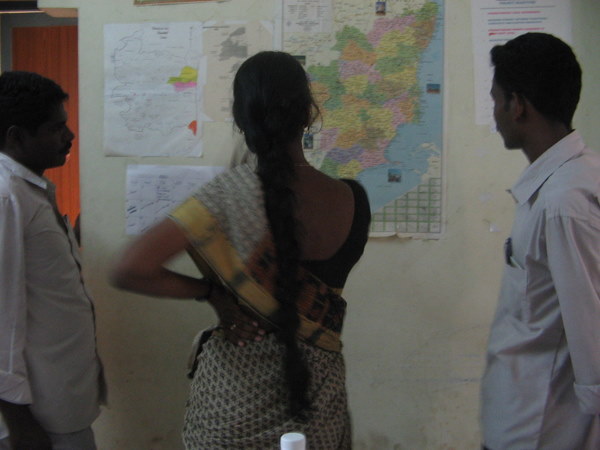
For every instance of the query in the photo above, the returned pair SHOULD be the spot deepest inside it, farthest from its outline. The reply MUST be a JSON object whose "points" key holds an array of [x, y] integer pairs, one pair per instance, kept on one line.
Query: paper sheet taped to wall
{"points": [[153, 191]]}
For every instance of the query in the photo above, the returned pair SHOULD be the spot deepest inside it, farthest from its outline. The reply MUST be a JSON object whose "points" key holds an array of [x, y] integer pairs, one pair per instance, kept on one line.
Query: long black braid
{"points": [[272, 106]]}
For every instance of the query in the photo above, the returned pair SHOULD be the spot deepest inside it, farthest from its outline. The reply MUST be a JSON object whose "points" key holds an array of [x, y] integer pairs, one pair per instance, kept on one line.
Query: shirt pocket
{"points": [[514, 293]]}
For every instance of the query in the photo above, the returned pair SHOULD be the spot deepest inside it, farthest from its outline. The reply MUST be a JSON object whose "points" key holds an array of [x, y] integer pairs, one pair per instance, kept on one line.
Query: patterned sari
{"points": [[238, 397]]}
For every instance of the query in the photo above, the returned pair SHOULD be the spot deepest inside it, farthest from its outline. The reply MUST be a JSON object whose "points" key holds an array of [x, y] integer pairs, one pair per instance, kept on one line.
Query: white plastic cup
{"points": [[293, 441]]}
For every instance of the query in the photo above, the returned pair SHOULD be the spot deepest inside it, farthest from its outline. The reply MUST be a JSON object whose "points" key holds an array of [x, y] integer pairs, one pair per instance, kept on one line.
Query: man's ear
{"points": [[14, 136], [14, 141], [518, 106]]}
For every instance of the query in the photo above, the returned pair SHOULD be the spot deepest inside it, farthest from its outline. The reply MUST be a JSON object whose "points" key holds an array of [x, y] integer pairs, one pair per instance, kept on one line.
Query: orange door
{"points": [[52, 52]]}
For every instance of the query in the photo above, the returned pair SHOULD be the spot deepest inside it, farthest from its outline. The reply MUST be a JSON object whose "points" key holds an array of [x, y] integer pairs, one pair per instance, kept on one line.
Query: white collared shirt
{"points": [[48, 353], [541, 387]]}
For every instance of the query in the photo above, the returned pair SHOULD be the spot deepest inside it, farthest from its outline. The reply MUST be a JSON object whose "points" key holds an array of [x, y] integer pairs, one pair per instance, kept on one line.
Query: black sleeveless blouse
{"points": [[334, 271]]}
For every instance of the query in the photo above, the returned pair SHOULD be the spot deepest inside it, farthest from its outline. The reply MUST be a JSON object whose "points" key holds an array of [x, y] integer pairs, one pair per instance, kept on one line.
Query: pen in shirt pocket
{"points": [[508, 255]]}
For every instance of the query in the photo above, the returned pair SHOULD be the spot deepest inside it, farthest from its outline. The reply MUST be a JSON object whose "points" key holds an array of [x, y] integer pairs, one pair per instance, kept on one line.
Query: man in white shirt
{"points": [[541, 386], [51, 381]]}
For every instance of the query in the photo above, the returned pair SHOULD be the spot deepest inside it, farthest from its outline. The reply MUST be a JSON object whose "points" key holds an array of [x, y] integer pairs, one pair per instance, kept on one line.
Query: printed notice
{"points": [[496, 22], [308, 16]]}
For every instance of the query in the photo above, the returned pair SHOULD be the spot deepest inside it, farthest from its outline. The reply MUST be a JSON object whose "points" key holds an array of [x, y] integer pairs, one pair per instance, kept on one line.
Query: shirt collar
{"points": [[21, 171], [534, 176]]}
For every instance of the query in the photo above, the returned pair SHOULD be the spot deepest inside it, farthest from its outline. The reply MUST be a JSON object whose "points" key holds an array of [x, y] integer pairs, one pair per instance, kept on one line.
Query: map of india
{"points": [[377, 77]]}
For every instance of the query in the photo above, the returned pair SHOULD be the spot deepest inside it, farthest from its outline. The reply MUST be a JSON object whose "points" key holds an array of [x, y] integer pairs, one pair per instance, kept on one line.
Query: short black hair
{"points": [[544, 70], [27, 99]]}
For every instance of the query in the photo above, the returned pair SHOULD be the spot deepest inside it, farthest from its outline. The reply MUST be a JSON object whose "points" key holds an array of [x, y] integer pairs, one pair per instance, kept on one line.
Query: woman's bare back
{"points": [[325, 213]]}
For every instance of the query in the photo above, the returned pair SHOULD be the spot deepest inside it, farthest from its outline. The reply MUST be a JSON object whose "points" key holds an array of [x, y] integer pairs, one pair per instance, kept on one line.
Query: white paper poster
{"points": [[153, 191], [153, 89], [308, 16]]}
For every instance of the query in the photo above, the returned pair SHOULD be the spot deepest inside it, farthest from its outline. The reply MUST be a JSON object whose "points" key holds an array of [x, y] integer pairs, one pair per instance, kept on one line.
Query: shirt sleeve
{"points": [[14, 386], [574, 260]]}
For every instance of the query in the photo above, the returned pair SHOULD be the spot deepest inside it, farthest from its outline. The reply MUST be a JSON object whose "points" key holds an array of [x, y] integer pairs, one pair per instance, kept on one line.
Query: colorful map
{"points": [[378, 78], [187, 79]]}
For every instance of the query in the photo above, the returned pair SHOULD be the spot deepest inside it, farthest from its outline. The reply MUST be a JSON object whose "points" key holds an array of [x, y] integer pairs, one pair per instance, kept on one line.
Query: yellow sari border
{"points": [[215, 257]]}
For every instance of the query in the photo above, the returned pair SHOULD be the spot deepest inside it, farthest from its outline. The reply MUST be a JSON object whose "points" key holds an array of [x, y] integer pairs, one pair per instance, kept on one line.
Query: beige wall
{"points": [[419, 311]]}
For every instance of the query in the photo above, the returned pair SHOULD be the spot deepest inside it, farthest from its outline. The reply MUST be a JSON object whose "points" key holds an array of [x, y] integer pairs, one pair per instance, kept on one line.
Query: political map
{"points": [[377, 75]]}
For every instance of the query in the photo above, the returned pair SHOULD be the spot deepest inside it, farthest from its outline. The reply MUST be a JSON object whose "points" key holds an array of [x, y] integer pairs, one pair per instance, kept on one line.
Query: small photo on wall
{"points": [[301, 59], [394, 176], [308, 141]]}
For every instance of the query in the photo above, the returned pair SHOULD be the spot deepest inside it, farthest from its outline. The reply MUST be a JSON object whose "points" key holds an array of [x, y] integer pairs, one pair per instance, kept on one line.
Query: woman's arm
{"points": [[141, 267]]}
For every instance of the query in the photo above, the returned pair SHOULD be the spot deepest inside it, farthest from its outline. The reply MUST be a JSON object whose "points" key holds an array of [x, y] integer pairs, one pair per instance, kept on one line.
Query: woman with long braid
{"points": [[275, 242]]}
